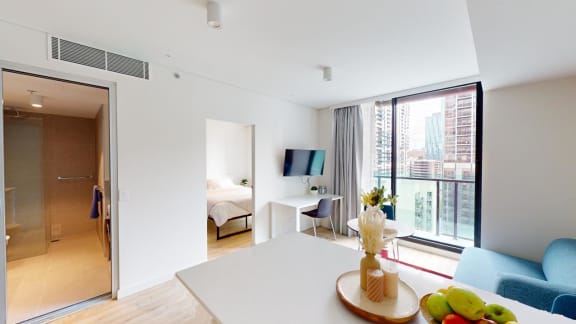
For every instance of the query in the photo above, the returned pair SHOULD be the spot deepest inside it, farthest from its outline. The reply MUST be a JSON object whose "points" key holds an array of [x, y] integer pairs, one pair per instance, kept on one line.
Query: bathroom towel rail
{"points": [[74, 178]]}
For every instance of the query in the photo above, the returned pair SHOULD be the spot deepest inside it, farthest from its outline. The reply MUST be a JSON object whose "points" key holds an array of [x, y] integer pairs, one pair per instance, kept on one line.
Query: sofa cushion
{"points": [[559, 262], [481, 268]]}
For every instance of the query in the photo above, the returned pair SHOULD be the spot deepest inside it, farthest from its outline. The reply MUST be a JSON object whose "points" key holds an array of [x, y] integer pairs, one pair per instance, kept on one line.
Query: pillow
{"points": [[226, 183], [223, 183]]}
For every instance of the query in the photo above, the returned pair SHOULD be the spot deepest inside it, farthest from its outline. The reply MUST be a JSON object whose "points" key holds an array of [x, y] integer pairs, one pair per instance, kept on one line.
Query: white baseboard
{"points": [[127, 291]]}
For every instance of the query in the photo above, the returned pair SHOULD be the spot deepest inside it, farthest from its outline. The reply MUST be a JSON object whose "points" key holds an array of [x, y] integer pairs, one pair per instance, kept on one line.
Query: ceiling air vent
{"points": [[64, 50]]}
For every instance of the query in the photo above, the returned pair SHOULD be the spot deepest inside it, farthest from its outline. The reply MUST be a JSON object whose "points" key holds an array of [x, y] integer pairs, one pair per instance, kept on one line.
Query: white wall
{"points": [[324, 126], [228, 151], [529, 167], [162, 156]]}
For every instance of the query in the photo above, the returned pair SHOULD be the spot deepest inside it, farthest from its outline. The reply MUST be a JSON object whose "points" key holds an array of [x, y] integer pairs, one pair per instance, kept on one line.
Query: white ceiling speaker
{"points": [[36, 100], [213, 14], [327, 73]]}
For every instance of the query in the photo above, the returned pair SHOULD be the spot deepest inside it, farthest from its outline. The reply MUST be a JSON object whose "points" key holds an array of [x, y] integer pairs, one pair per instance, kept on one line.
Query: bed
{"points": [[226, 201]]}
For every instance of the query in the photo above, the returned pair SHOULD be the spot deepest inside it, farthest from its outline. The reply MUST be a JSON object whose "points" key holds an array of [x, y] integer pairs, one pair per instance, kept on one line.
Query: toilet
{"points": [[7, 239]]}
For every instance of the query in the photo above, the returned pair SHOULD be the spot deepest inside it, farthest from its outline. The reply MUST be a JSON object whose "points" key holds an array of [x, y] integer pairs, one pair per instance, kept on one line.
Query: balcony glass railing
{"points": [[441, 210]]}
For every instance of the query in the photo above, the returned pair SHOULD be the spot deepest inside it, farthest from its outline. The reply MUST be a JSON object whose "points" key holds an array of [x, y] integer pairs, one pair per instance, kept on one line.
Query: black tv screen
{"points": [[304, 162]]}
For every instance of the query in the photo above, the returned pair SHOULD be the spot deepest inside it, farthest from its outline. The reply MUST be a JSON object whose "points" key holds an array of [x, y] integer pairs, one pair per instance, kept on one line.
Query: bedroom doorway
{"points": [[229, 180]]}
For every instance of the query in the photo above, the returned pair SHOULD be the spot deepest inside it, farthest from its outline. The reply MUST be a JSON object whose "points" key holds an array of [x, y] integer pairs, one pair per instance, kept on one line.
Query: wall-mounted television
{"points": [[304, 162]]}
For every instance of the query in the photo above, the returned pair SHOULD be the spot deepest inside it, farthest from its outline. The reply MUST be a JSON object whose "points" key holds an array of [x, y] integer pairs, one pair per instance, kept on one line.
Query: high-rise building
{"points": [[383, 140], [423, 207], [434, 139], [459, 125], [425, 169], [402, 139], [459, 162]]}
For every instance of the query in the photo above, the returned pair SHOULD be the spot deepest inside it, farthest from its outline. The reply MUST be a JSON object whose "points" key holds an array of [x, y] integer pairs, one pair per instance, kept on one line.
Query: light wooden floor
{"points": [[170, 302], [72, 270]]}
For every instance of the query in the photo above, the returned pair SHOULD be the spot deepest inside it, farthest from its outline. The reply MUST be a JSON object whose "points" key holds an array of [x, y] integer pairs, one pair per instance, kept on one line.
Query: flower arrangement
{"points": [[371, 227], [376, 198], [371, 222]]}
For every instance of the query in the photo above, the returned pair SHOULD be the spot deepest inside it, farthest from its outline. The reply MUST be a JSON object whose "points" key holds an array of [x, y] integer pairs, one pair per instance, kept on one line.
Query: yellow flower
{"points": [[376, 198]]}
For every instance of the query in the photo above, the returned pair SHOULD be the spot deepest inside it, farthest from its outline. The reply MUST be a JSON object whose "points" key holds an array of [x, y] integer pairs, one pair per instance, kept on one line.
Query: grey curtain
{"points": [[347, 134]]}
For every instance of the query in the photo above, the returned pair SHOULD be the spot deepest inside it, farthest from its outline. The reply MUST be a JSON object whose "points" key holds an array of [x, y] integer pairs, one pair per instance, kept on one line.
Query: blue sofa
{"points": [[532, 283]]}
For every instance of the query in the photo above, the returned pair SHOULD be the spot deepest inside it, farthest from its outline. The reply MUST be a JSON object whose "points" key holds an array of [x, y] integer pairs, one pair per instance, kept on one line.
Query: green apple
{"points": [[437, 306], [466, 303], [499, 314]]}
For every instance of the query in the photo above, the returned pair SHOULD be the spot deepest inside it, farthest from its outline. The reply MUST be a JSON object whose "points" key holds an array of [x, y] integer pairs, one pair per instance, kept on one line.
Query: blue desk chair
{"points": [[565, 304], [324, 210]]}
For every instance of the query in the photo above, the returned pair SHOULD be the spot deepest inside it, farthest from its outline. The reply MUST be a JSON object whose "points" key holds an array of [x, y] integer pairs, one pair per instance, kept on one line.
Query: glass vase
{"points": [[368, 262]]}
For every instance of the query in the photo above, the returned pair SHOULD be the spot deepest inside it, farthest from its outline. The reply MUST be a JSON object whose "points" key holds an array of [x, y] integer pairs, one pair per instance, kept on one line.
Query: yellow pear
{"points": [[466, 303]]}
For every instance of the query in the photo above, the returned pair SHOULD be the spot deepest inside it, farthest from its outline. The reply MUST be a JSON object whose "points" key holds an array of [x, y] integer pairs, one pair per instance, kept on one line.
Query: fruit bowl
{"points": [[459, 305]]}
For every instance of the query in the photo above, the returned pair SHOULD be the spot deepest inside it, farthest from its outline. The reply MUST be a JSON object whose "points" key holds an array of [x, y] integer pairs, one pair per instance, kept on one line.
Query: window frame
{"points": [[478, 165]]}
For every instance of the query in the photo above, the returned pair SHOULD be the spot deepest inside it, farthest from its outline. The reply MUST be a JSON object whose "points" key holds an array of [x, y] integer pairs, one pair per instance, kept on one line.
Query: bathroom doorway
{"points": [[57, 193]]}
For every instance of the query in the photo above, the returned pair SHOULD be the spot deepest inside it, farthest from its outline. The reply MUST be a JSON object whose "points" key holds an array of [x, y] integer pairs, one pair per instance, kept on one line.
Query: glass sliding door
{"points": [[436, 164], [24, 187]]}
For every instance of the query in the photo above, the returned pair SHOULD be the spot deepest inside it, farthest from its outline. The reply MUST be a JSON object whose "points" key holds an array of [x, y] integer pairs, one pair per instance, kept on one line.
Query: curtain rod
{"points": [[407, 92]]}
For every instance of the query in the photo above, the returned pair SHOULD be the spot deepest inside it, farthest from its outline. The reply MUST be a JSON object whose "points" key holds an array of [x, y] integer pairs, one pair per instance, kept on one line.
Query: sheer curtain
{"points": [[377, 142], [369, 145], [348, 151]]}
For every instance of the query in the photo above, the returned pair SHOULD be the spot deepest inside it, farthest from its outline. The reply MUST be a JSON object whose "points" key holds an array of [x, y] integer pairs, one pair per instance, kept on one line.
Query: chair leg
{"points": [[314, 226], [332, 224]]}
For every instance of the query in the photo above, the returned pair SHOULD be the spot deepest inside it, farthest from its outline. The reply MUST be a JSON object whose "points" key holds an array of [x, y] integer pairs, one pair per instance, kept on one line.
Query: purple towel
{"points": [[96, 199]]}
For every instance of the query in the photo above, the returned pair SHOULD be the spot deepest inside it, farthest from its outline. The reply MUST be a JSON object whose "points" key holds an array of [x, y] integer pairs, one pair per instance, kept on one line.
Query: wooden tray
{"points": [[390, 310]]}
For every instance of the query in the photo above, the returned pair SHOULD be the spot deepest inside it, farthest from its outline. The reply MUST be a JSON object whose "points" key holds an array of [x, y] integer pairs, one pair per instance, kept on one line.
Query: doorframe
{"points": [[113, 147]]}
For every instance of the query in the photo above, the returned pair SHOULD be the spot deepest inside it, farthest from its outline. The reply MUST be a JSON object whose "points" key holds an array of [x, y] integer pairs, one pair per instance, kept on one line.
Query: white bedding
{"points": [[227, 203]]}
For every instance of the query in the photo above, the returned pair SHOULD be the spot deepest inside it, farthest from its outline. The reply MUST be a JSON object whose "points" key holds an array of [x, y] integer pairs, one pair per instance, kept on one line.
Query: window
{"points": [[425, 149]]}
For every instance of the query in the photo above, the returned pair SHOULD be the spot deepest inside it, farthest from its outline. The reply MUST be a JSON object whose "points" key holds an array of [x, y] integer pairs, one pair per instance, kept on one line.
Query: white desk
{"points": [[292, 279], [285, 213]]}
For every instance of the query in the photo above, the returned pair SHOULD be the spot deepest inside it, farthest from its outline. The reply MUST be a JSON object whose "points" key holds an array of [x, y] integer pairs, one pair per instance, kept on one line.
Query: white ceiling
{"points": [[520, 41], [276, 47], [60, 98]]}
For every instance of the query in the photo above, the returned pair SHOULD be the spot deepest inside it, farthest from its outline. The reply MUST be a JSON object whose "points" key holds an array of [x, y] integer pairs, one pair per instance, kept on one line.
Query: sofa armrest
{"points": [[530, 291], [565, 305]]}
